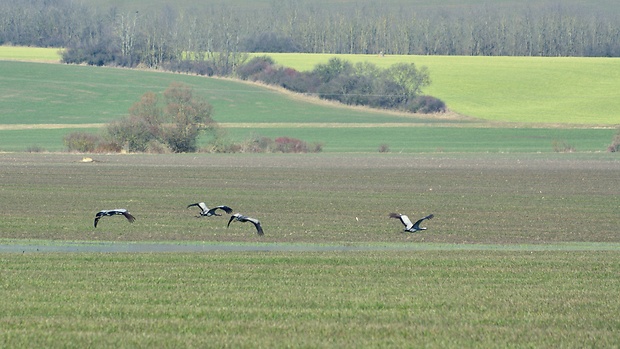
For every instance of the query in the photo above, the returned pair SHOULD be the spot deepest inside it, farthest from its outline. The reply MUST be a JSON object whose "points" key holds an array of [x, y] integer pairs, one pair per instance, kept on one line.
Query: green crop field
{"points": [[455, 139], [62, 94], [522, 252], [519, 89], [432, 299], [30, 54]]}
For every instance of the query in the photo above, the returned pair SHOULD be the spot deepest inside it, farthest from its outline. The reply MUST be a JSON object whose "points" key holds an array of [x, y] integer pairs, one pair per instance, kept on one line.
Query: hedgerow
{"points": [[397, 87]]}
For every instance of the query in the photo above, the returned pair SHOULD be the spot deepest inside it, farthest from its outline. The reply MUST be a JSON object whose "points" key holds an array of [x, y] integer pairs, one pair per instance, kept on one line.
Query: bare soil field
{"points": [[319, 198]]}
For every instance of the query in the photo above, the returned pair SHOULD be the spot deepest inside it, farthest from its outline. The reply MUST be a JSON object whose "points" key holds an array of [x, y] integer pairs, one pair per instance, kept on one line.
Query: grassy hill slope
{"points": [[516, 89], [35, 93], [557, 90]]}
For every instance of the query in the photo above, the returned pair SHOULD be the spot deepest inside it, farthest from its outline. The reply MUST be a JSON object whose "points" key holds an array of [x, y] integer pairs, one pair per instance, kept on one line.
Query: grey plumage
{"points": [[118, 211], [241, 218], [208, 212], [411, 227]]}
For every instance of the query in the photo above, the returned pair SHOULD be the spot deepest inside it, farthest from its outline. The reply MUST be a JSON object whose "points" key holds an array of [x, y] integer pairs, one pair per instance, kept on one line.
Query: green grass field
{"points": [[518, 89], [343, 139], [277, 300], [62, 94], [30, 54]]}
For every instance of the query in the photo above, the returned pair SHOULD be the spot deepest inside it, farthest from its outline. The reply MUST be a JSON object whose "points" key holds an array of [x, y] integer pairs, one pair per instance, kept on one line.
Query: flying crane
{"points": [[118, 211], [411, 227], [208, 212], [241, 218]]}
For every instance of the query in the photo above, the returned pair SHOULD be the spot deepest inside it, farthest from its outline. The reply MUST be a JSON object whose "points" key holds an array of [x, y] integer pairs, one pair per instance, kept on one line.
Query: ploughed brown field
{"points": [[319, 198]]}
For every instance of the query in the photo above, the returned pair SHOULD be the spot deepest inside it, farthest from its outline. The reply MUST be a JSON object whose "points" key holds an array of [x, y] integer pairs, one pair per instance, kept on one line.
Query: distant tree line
{"points": [[218, 35]]}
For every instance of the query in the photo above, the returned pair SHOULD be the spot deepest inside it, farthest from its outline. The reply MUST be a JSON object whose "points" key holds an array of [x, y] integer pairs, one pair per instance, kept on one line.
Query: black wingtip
{"points": [[129, 217]]}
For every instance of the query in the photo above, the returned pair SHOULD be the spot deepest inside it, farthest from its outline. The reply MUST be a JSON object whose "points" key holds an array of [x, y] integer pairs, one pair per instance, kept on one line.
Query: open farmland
{"points": [[557, 90], [433, 299], [60, 99], [322, 198], [523, 251]]}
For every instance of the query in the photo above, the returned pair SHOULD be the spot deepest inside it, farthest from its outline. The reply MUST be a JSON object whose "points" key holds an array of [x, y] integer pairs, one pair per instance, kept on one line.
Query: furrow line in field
{"points": [[136, 247]]}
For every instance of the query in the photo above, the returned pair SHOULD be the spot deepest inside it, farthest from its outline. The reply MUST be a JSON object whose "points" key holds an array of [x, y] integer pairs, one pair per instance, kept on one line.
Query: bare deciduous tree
{"points": [[177, 123]]}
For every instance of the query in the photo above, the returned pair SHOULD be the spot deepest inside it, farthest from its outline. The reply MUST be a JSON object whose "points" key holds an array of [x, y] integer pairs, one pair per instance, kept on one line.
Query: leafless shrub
{"points": [[82, 142], [35, 149], [108, 147], [290, 145], [316, 147], [261, 144], [562, 147]]}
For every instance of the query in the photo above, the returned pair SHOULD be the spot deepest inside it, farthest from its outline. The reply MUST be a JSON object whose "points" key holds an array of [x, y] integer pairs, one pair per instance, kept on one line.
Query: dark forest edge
{"points": [[154, 36]]}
